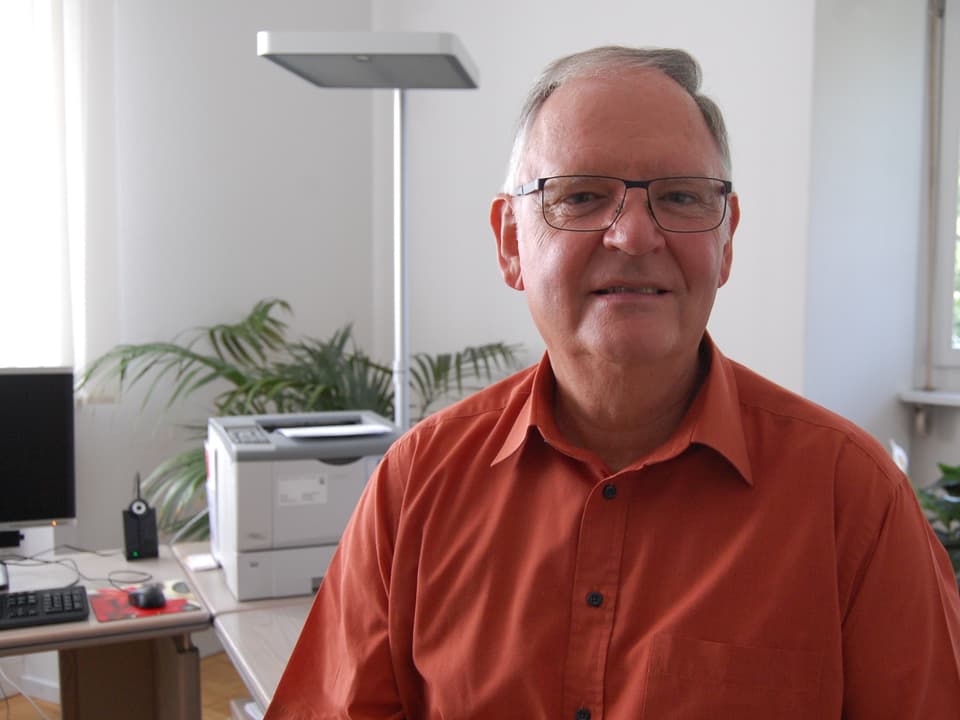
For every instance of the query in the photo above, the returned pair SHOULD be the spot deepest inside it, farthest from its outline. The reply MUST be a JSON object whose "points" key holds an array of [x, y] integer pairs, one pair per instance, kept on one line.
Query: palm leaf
{"points": [[177, 488], [436, 376]]}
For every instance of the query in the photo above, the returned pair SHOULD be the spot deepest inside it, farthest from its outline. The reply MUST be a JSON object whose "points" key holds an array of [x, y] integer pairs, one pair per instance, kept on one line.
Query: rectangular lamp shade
{"points": [[399, 60]]}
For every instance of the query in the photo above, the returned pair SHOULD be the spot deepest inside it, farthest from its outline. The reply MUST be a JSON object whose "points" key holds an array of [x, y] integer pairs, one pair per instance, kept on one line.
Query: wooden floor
{"points": [[219, 685]]}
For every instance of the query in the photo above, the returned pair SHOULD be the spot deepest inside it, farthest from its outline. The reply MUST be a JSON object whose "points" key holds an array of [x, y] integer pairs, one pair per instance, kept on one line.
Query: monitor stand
{"points": [[10, 538]]}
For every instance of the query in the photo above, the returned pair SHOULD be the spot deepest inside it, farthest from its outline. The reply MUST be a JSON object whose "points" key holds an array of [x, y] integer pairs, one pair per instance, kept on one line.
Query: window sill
{"points": [[924, 398], [922, 401]]}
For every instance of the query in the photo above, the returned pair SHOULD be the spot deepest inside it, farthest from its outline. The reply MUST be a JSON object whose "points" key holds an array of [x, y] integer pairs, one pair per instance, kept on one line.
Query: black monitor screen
{"points": [[36, 446]]}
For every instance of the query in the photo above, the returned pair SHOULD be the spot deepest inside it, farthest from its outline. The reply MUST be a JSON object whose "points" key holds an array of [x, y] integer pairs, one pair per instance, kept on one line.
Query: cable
{"points": [[115, 578], [134, 577], [74, 548], [6, 679]]}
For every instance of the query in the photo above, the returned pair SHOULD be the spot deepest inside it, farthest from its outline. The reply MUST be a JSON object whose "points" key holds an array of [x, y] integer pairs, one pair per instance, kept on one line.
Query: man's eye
{"points": [[678, 197], [578, 198]]}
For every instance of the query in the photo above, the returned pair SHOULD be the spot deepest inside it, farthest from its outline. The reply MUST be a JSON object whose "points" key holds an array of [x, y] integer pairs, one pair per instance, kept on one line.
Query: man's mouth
{"points": [[621, 290]]}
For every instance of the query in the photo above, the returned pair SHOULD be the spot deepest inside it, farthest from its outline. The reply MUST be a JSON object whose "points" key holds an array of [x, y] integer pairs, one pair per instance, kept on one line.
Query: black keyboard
{"points": [[43, 607]]}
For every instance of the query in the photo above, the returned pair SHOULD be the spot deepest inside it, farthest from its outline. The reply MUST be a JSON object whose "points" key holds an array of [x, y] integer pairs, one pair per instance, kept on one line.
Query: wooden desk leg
{"points": [[177, 678], [155, 679]]}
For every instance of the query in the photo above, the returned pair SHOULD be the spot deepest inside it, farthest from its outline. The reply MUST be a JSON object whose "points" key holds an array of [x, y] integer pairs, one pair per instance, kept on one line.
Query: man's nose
{"points": [[634, 231]]}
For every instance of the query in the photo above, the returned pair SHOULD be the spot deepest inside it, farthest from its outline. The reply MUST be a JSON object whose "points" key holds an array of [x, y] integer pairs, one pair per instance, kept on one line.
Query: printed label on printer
{"points": [[302, 490]]}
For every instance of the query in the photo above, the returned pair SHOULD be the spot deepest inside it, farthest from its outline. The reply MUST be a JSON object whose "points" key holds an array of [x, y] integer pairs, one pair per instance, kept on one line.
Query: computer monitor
{"points": [[37, 472]]}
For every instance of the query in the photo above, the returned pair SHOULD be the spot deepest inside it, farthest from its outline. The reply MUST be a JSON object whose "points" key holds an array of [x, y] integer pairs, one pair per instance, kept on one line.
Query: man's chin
{"points": [[641, 350]]}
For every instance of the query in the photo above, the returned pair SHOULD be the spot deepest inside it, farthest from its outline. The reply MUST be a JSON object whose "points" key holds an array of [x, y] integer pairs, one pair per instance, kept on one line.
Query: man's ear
{"points": [[504, 224], [733, 212]]}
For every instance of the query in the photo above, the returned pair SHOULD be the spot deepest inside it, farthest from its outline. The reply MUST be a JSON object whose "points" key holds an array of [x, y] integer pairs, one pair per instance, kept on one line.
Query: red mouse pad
{"points": [[112, 603]]}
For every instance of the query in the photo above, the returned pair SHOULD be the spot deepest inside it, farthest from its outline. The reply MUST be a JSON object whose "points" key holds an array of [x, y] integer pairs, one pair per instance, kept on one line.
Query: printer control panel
{"points": [[249, 435]]}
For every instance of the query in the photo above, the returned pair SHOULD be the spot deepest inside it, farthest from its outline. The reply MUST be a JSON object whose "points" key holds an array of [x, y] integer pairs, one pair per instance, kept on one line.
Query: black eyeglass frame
{"points": [[537, 186]]}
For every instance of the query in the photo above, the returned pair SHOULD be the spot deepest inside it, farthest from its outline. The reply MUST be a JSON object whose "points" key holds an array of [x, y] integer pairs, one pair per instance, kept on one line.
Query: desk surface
{"points": [[259, 642], [95, 568], [257, 635]]}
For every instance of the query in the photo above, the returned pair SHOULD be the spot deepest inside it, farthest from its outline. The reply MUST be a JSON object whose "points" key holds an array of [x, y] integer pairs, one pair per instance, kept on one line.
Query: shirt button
{"points": [[609, 492], [582, 714], [594, 599]]}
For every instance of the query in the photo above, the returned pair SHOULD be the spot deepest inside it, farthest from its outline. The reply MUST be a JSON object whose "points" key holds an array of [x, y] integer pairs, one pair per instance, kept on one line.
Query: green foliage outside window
{"points": [[941, 504]]}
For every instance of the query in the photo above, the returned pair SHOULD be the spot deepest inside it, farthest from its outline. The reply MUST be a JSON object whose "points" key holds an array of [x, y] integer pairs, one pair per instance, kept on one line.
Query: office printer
{"points": [[281, 489]]}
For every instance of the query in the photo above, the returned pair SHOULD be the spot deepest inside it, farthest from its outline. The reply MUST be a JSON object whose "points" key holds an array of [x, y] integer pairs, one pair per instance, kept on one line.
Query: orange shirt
{"points": [[768, 562]]}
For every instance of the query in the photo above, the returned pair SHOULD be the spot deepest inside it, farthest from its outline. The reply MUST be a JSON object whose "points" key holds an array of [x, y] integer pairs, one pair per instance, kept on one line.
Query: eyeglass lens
{"points": [[584, 203]]}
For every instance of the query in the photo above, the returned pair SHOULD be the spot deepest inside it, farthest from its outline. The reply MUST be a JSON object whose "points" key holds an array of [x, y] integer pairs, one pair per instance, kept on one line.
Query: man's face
{"points": [[633, 294]]}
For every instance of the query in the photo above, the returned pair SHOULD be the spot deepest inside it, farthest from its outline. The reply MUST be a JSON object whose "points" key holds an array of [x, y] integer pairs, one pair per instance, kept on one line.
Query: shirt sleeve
{"points": [[901, 629], [341, 665]]}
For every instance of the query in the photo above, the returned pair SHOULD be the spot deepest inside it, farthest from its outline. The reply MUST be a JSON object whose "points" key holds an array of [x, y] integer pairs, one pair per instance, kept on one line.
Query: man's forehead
{"points": [[622, 92], [637, 110]]}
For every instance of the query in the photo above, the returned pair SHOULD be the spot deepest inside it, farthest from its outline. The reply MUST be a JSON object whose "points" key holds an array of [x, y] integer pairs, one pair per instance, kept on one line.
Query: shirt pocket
{"points": [[690, 679]]}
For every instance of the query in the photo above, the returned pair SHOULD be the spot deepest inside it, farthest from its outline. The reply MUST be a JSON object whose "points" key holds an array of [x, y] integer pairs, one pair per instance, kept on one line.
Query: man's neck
{"points": [[624, 413]]}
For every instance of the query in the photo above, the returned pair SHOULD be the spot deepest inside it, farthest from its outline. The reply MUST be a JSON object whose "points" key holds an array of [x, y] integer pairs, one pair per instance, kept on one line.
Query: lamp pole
{"points": [[397, 60], [401, 315]]}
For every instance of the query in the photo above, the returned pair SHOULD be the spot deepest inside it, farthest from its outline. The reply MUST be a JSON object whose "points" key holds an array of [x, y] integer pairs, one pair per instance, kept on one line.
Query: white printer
{"points": [[281, 489]]}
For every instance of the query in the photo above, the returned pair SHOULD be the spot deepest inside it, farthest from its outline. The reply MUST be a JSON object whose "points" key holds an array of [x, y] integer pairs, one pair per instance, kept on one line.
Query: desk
{"points": [[257, 635], [145, 668]]}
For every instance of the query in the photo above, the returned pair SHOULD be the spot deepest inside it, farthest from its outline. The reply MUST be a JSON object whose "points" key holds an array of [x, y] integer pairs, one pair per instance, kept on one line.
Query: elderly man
{"points": [[636, 527]]}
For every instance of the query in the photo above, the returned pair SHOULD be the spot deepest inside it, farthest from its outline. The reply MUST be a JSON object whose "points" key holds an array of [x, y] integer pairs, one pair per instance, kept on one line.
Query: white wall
{"points": [[236, 181], [865, 210]]}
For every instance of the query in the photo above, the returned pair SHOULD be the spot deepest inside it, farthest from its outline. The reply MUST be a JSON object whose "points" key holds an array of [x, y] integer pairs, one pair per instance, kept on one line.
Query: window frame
{"points": [[946, 188]]}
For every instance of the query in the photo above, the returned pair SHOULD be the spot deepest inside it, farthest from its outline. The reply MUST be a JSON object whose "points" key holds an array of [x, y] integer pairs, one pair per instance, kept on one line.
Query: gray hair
{"points": [[676, 64]]}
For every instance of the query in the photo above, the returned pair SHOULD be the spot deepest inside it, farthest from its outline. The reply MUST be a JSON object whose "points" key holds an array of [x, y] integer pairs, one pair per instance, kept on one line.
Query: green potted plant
{"points": [[253, 368], [941, 504]]}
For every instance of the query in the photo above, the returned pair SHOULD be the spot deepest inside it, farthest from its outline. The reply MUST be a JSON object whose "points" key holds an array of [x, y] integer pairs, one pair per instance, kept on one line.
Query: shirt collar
{"points": [[713, 420], [719, 424]]}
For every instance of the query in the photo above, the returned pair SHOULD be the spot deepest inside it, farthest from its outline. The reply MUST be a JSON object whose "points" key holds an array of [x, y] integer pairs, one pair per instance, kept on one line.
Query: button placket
{"points": [[596, 583]]}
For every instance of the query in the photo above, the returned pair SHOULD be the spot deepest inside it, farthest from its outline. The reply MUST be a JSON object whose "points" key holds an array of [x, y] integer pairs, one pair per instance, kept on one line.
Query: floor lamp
{"points": [[395, 60]]}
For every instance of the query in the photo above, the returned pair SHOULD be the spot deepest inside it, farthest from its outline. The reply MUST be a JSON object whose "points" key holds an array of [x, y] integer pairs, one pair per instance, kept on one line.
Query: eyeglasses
{"points": [[591, 203]]}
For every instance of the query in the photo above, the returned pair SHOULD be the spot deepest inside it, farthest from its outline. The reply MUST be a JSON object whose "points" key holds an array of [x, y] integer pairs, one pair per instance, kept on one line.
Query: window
{"points": [[35, 267], [955, 339], [946, 334], [31, 210]]}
